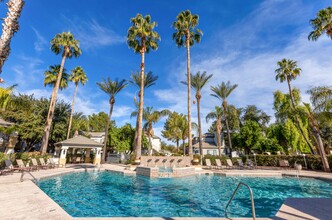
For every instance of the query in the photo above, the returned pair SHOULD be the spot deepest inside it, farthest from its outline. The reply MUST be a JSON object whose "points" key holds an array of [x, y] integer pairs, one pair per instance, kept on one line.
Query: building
{"points": [[210, 145], [97, 136]]}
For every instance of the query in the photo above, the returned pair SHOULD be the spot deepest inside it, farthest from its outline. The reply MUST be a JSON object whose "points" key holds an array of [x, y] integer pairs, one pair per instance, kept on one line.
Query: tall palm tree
{"points": [[51, 76], [149, 80], [322, 24], [186, 35], [288, 71], [151, 117], [112, 88], [217, 116], [142, 38], [9, 27], [222, 92], [68, 46], [77, 76], [198, 81]]}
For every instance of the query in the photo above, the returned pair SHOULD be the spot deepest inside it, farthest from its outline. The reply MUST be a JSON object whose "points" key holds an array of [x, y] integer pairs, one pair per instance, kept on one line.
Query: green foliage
{"points": [[97, 122], [175, 127], [250, 135]]}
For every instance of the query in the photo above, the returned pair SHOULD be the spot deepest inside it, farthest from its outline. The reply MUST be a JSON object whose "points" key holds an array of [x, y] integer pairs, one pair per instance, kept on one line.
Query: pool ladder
{"points": [[24, 172], [251, 198]]}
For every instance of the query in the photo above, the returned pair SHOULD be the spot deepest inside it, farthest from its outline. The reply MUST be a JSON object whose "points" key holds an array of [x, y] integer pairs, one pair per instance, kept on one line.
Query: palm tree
{"points": [[222, 92], [198, 81], [51, 76], [66, 44], [185, 36], [321, 24], [5, 96], [112, 88], [77, 76], [151, 117], [217, 116], [142, 38], [288, 71], [149, 80], [9, 27]]}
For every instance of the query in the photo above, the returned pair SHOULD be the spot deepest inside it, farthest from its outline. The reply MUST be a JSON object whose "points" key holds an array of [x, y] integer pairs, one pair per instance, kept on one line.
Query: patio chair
{"points": [[229, 163], [53, 163], [208, 163], [284, 164], [9, 168], [43, 163], [219, 165], [35, 163], [250, 164], [240, 163], [22, 166], [77, 160]]}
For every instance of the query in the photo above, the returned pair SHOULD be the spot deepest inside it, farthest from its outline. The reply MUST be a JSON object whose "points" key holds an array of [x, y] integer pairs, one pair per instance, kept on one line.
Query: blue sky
{"points": [[242, 42]]}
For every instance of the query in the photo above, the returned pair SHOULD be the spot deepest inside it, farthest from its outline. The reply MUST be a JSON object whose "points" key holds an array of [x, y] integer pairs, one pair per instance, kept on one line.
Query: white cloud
{"points": [[92, 34], [41, 42]]}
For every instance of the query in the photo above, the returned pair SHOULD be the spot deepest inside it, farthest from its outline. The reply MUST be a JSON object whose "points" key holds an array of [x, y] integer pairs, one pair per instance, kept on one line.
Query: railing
{"points": [[251, 198], [24, 172]]}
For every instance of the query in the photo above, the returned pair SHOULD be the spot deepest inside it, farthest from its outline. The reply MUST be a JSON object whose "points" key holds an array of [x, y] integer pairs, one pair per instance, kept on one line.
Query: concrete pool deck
{"points": [[24, 200]]}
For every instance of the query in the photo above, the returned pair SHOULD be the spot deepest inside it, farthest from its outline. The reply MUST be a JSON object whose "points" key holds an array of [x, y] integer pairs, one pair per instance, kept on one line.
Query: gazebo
{"points": [[79, 142]]}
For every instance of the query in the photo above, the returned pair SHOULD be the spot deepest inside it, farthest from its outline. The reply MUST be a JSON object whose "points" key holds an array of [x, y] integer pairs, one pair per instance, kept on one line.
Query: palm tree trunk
{"points": [[184, 147], [9, 27], [140, 110], [218, 125], [150, 145], [103, 159], [199, 127], [227, 127], [321, 151], [177, 145], [297, 119], [72, 111], [52, 107], [189, 96]]}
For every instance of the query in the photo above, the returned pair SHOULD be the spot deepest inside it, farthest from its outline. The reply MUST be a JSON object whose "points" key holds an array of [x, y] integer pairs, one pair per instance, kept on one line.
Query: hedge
{"points": [[314, 162]]}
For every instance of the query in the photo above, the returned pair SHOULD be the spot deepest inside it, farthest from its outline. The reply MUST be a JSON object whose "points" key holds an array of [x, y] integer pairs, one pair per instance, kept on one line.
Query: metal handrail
{"points": [[25, 171], [251, 198]]}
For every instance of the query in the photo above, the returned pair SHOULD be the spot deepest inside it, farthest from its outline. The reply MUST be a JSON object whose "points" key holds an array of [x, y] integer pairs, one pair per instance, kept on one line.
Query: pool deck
{"points": [[24, 200]]}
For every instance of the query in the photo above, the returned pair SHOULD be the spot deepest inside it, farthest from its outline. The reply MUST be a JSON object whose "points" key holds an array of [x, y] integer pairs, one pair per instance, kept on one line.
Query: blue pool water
{"points": [[108, 194]]}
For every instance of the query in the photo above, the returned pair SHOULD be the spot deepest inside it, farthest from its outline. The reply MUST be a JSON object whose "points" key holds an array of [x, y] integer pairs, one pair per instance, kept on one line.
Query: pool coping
{"points": [[62, 214]]}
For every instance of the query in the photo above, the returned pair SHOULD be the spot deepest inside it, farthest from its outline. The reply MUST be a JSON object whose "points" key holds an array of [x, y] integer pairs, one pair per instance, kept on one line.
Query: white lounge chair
{"points": [[208, 163], [229, 163], [219, 165]]}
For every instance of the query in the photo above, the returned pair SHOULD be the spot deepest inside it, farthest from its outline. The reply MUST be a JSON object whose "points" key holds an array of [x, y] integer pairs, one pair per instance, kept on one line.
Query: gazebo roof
{"points": [[5, 123], [79, 142]]}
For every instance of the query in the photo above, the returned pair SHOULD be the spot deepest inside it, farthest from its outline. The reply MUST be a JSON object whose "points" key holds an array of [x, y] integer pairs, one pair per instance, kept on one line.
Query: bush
{"points": [[314, 162]]}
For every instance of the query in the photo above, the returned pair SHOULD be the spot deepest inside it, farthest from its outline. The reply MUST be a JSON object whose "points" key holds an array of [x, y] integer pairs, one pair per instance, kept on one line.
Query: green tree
{"points": [[251, 135], [217, 116], [142, 38], [97, 122], [5, 96], [186, 35], [288, 71], [66, 44], [222, 91], [51, 76], [172, 128], [149, 80], [111, 88], [322, 24], [198, 81], [151, 117], [252, 113], [77, 76], [9, 27]]}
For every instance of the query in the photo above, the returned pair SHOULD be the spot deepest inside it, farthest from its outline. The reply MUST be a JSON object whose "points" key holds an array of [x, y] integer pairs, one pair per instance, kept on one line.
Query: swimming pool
{"points": [[108, 194]]}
